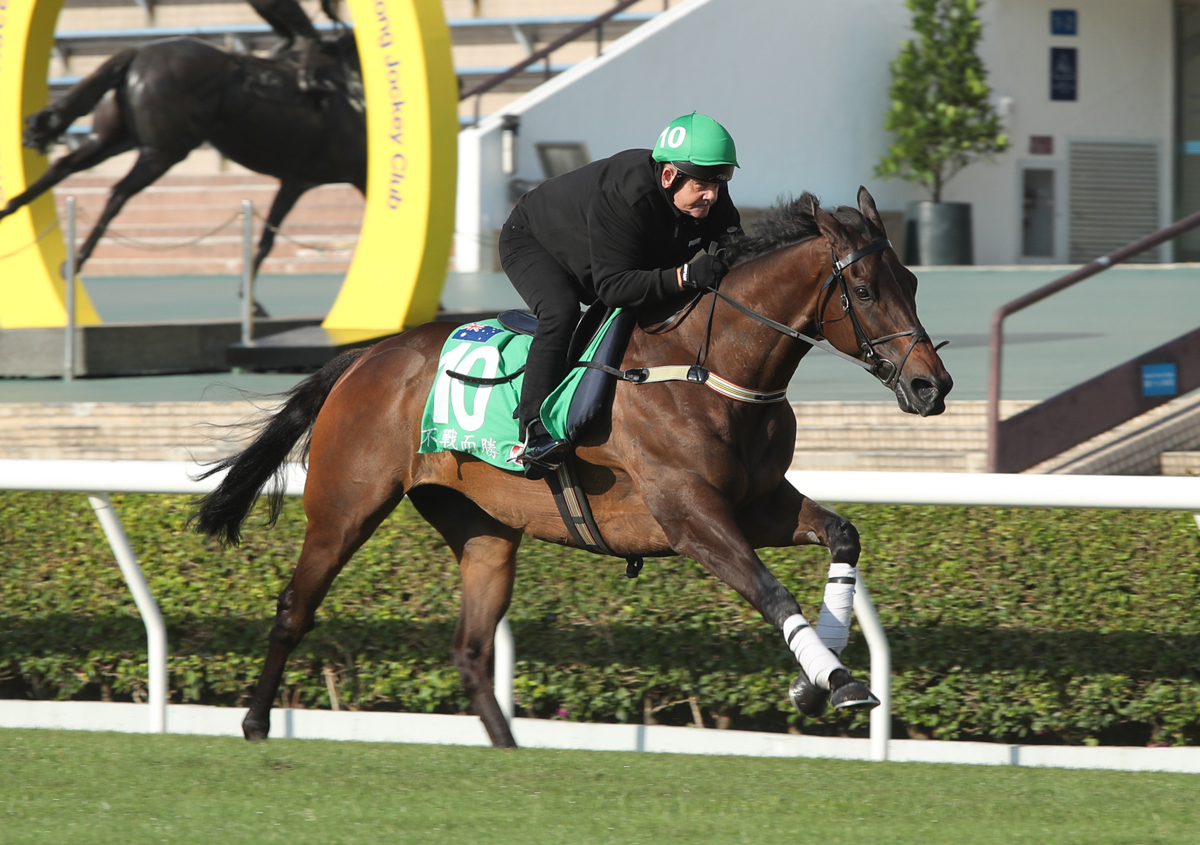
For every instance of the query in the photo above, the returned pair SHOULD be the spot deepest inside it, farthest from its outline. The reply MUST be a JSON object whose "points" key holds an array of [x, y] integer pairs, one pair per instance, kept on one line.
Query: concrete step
{"points": [[879, 436], [208, 430], [831, 460], [175, 430], [1180, 463], [201, 431], [1137, 446]]}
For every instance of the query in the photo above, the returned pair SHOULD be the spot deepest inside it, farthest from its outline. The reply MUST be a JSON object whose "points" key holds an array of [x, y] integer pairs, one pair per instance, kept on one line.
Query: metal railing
{"points": [[996, 339], [543, 55], [100, 478]]}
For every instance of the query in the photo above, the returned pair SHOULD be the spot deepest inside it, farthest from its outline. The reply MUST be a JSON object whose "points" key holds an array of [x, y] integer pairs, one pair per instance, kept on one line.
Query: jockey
{"points": [[292, 24], [624, 230]]}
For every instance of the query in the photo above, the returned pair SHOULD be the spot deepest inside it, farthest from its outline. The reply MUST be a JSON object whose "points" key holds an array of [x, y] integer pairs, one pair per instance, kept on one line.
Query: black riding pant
{"points": [[554, 296]]}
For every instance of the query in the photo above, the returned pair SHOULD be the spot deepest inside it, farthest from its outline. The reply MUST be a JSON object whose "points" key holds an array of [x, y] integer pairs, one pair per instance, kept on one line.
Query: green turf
{"points": [[95, 788]]}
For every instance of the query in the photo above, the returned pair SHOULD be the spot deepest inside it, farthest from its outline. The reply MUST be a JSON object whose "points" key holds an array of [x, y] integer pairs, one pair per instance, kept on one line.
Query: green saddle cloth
{"points": [[478, 419]]}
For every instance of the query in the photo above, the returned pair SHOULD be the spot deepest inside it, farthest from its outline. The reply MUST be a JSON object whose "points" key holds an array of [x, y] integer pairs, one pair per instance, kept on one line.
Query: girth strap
{"points": [[694, 374], [576, 513]]}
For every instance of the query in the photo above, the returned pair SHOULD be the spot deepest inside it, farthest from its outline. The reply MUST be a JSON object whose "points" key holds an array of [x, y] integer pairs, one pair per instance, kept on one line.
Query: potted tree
{"points": [[942, 120]]}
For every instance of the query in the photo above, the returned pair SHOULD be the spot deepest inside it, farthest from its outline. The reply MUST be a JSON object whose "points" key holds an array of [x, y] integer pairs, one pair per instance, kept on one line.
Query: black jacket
{"points": [[614, 227]]}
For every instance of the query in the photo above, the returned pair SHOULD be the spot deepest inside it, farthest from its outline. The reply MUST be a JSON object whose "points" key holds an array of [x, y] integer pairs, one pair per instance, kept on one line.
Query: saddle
{"points": [[596, 385], [592, 394]]}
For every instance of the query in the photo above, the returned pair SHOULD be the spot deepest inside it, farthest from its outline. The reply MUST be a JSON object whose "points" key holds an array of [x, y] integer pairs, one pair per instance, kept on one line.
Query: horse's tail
{"points": [[221, 513], [47, 125]]}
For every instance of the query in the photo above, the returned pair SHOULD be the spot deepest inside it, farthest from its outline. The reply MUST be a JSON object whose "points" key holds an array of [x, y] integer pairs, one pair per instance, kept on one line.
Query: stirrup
{"points": [[543, 451]]}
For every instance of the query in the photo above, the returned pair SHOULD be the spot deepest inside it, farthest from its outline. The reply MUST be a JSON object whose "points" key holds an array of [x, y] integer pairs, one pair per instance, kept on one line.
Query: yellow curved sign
{"points": [[412, 125], [32, 249], [412, 158]]}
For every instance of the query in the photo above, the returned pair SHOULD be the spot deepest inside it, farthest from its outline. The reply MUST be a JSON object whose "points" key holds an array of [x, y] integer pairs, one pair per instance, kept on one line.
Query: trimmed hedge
{"points": [[1013, 625]]}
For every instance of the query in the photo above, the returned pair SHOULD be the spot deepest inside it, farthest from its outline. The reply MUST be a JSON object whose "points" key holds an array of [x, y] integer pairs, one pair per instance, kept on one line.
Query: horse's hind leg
{"points": [[486, 550], [341, 516], [109, 137]]}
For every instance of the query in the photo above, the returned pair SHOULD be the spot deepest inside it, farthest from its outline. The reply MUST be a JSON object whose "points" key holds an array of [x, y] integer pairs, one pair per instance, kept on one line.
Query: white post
{"points": [[504, 654], [881, 670], [69, 340], [156, 629], [468, 224], [247, 275]]}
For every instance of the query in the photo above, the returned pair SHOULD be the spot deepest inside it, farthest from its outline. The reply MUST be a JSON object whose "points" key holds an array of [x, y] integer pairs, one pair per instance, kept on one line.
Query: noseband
{"points": [[878, 366]]}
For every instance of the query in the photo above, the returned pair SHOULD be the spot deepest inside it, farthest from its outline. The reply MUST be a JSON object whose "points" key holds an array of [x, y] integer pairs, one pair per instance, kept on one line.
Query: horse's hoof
{"points": [[853, 695], [255, 730], [807, 697]]}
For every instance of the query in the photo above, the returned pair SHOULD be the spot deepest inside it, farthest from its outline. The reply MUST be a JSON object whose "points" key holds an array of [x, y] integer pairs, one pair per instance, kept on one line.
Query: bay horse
{"points": [[675, 469], [168, 97]]}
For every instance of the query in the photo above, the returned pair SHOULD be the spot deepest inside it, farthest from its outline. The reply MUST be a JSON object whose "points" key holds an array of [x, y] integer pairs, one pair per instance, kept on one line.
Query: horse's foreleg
{"points": [[486, 550], [789, 518], [340, 519], [700, 523]]}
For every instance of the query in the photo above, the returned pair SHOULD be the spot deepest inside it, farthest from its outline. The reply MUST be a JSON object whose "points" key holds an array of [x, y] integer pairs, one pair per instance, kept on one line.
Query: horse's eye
{"points": [[862, 292]]}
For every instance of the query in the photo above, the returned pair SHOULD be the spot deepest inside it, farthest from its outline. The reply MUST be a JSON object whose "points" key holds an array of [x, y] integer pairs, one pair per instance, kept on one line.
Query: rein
{"points": [[878, 366]]}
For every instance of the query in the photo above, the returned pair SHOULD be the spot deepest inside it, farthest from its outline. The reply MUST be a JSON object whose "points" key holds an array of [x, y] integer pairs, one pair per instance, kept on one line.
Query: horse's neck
{"points": [[782, 285]]}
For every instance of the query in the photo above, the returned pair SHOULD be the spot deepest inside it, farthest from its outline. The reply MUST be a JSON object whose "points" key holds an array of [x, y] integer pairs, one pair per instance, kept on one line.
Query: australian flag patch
{"points": [[477, 332]]}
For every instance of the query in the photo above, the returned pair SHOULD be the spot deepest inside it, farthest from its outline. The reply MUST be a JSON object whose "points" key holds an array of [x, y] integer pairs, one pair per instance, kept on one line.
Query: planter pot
{"points": [[939, 233]]}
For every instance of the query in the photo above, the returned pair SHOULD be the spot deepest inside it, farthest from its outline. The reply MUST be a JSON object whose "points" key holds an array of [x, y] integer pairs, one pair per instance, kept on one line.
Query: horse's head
{"points": [[867, 308]]}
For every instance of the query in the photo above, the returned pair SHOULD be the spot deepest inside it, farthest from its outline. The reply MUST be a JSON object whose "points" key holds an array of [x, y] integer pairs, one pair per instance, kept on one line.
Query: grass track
{"points": [[62, 786]]}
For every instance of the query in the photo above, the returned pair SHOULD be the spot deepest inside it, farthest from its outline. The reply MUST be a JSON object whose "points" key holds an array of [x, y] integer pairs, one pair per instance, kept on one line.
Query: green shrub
{"points": [[1015, 625]]}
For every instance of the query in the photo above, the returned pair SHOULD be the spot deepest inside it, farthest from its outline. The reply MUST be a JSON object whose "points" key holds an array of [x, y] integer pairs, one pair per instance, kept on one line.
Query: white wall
{"points": [[803, 87], [1126, 90]]}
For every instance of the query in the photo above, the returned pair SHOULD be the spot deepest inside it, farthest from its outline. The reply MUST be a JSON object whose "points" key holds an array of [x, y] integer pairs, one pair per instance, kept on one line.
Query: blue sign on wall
{"points": [[1064, 22], [1160, 380], [1064, 73]]}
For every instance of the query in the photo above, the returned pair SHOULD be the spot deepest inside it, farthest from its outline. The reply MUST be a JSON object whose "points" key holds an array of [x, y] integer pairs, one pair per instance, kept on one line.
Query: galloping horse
{"points": [[677, 469], [170, 96]]}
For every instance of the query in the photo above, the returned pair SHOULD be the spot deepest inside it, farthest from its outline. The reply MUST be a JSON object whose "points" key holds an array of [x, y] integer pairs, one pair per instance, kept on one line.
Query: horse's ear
{"points": [[833, 231], [866, 204]]}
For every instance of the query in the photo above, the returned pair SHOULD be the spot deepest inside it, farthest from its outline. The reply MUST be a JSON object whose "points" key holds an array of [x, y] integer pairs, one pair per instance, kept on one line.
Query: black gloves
{"points": [[703, 273]]}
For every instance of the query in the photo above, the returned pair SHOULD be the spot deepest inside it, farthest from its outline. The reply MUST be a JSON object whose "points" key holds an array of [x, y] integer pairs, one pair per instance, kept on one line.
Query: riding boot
{"points": [[541, 450]]}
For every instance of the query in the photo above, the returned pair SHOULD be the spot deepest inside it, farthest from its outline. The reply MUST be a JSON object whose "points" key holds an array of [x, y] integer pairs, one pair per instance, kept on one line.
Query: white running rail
{"points": [[101, 478]]}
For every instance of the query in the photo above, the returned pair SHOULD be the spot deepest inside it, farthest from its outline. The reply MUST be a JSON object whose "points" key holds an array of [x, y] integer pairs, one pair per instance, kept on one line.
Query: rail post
{"points": [[156, 629], [881, 670], [247, 272], [69, 273]]}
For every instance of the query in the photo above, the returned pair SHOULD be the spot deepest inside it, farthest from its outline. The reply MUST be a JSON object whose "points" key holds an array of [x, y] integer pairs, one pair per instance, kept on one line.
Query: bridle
{"points": [[878, 366]]}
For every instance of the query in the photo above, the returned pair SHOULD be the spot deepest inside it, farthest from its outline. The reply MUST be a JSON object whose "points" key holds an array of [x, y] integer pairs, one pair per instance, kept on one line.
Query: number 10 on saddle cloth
{"points": [[478, 419]]}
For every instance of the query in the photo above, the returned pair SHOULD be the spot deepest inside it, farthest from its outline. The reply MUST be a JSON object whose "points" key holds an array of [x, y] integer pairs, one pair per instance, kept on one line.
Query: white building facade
{"points": [[1098, 99]]}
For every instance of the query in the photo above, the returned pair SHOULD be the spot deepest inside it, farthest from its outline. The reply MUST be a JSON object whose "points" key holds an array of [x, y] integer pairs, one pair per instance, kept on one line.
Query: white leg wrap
{"points": [[817, 661], [833, 625]]}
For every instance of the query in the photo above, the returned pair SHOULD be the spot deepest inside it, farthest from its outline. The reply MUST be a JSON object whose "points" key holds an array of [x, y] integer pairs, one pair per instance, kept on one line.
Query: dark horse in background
{"points": [[674, 469], [167, 98]]}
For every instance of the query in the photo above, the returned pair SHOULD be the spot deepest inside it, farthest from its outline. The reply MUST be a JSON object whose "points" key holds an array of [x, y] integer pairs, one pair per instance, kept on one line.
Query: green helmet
{"points": [[698, 146]]}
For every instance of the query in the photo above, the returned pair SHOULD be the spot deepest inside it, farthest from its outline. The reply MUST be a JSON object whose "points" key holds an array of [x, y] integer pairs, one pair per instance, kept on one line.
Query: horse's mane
{"points": [[790, 222]]}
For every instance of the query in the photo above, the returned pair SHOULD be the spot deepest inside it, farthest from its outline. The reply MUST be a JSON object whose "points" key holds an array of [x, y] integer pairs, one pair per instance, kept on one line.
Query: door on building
{"points": [[1187, 124], [1043, 218]]}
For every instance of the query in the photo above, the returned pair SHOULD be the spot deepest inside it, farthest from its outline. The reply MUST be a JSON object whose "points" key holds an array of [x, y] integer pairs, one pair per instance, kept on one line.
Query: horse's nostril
{"points": [[924, 388]]}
